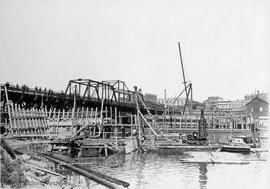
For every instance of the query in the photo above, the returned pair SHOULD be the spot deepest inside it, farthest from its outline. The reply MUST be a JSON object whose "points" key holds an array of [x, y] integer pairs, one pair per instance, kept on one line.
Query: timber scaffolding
{"points": [[213, 122], [32, 123]]}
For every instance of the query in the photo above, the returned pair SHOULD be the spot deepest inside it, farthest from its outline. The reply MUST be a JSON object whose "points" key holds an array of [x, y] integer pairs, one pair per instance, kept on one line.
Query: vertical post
{"points": [[116, 137], [136, 123], [106, 109], [139, 141], [138, 114], [82, 114], [73, 110], [58, 117], [101, 111], [9, 113], [77, 114], [68, 113], [246, 122], [111, 114], [95, 121], [219, 120], [120, 118], [49, 116], [115, 116], [106, 151], [63, 114], [91, 115], [119, 97], [241, 122], [87, 114]]}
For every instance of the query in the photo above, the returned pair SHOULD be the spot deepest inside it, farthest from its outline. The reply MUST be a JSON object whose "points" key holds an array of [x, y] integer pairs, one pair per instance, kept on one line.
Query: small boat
{"points": [[236, 145]]}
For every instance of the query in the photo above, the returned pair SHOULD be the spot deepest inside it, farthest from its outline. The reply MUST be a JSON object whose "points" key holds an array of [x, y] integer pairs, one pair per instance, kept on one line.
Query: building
{"points": [[261, 95], [238, 104], [214, 98], [172, 101], [211, 102], [150, 97], [249, 97], [257, 107], [225, 105]]}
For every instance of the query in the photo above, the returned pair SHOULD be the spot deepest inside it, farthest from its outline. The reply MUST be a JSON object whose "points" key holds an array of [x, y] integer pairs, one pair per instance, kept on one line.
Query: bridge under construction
{"points": [[79, 92], [100, 108]]}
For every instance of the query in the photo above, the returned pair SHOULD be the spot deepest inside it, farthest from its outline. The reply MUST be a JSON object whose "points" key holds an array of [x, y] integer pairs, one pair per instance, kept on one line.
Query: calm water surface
{"points": [[158, 171]]}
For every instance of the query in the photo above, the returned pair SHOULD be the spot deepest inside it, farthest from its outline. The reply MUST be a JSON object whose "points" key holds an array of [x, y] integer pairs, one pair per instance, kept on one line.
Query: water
{"points": [[165, 170], [158, 171]]}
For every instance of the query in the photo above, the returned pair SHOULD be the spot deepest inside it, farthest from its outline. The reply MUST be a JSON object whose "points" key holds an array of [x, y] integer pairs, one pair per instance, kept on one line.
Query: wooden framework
{"points": [[191, 122]]}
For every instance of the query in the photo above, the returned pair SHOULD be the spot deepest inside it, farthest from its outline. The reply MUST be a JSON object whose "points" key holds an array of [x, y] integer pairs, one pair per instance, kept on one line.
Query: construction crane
{"points": [[187, 88]]}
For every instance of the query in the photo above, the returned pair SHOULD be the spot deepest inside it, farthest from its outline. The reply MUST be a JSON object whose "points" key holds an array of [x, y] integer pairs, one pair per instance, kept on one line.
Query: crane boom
{"points": [[183, 72]]}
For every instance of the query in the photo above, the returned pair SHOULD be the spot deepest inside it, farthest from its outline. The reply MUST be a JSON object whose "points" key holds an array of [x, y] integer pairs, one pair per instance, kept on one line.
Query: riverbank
{"points": [[26, 172]]}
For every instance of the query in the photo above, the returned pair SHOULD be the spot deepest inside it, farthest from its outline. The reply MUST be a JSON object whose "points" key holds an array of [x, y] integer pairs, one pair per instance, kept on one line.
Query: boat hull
{"points": [[235, 149]]}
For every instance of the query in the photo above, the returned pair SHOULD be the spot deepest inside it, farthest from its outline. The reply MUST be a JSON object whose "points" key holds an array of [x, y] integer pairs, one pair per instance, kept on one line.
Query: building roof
{"points": [[265, 100]]}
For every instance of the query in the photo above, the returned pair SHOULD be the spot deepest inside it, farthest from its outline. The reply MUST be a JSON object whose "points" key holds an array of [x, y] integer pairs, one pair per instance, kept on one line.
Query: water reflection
{"points": [[203, 176], [139, 173]]}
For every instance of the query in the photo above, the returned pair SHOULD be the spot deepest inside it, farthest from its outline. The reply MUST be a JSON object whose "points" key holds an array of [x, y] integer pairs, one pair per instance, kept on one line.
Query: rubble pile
{"points": [[25, 172]]}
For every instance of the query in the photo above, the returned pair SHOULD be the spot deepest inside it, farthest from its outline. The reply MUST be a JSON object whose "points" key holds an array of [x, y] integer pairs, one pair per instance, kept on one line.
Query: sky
{"points": [[224, 44]]}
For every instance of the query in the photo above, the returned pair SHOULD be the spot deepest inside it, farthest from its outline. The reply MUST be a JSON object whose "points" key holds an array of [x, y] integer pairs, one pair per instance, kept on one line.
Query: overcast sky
{"points": [[224, 45]]}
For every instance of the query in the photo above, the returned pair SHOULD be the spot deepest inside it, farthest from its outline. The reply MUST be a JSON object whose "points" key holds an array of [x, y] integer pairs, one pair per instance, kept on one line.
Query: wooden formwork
{"points": [[26, 123], [93, 122]]}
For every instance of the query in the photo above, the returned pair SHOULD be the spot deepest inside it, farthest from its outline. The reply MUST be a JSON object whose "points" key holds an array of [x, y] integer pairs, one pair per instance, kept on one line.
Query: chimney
{"points": [[165, 96]]}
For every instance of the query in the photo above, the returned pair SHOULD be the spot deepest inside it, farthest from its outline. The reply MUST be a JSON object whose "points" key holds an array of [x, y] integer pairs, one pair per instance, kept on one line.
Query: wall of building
{"points": [[224, 105], [257, 108]]}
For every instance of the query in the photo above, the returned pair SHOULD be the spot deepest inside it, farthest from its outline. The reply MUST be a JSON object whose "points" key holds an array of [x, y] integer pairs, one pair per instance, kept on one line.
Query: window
{"points": [[261, 109]]}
